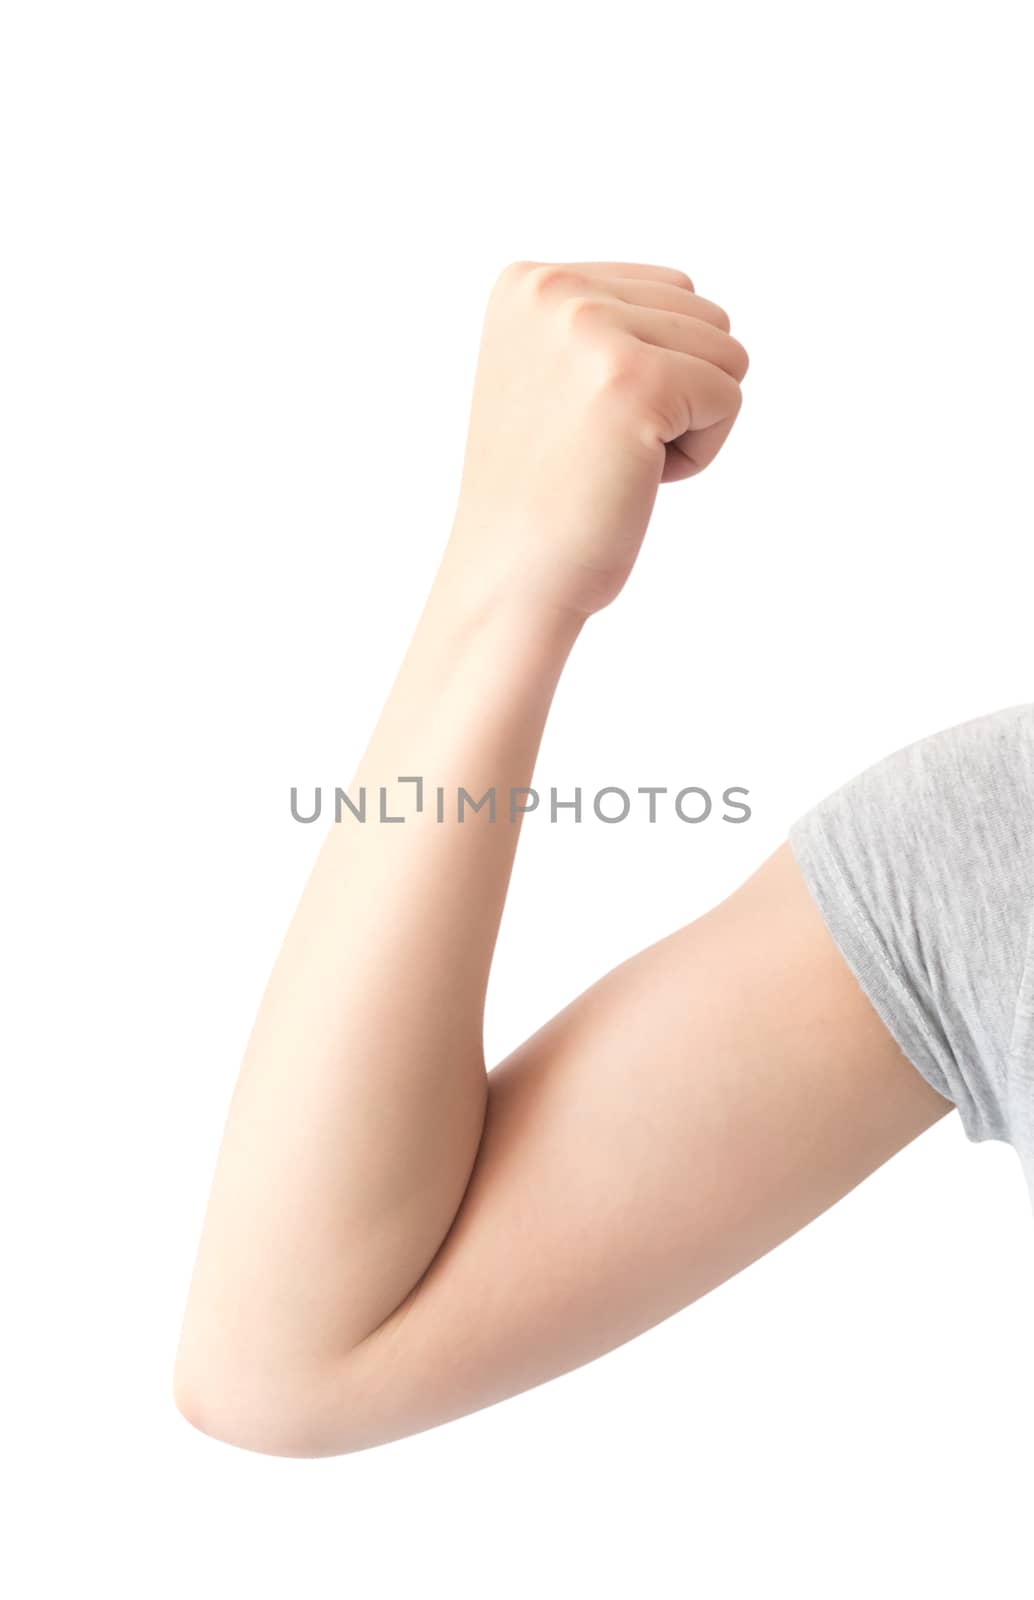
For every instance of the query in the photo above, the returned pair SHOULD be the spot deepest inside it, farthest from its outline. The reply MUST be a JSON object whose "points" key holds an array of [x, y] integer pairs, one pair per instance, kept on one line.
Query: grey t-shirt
{"points": [[923, 868]]}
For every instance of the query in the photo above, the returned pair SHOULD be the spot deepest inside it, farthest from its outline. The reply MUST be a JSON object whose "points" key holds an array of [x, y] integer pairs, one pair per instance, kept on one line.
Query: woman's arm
{"points": [[359, 1107], [393, 1235]]}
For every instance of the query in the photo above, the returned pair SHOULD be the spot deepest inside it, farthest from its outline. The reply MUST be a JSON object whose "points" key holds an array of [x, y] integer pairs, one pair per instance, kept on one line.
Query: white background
{"points": [[247, 253]]}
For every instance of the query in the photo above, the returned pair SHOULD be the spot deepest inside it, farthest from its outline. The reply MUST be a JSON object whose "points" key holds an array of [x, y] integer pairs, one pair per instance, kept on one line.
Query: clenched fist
{"points": [[596, 382]]}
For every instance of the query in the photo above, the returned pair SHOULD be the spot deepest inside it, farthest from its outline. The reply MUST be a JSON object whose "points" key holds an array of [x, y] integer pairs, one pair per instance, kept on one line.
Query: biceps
{"points": [[696, 1106]]}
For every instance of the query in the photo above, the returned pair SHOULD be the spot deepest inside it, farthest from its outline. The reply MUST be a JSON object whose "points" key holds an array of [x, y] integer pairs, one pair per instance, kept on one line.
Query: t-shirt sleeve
{"points": [[923, 868]]}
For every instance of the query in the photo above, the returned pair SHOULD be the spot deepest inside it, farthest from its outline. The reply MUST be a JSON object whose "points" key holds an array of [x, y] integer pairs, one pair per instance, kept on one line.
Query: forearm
{"points": [[357, 1114]]}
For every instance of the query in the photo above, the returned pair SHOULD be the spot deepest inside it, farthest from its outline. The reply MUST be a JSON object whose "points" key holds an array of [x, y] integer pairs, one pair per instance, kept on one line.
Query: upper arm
{"points": [[696, 1106]]}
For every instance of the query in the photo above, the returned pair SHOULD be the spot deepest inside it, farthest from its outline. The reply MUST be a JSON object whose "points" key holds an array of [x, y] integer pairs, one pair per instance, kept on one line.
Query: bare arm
{"points": [[395, 1236], [358, 1110]]}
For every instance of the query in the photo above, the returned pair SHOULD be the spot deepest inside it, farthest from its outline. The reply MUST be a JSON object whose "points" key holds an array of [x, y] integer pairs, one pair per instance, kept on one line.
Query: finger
{"points": [[672, 330], [668, 297], [632, 269], [688, 393], [692, 452]]}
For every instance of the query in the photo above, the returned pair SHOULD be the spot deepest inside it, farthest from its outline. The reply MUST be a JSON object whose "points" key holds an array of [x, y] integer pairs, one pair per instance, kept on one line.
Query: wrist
{"points": [[467, 594]]}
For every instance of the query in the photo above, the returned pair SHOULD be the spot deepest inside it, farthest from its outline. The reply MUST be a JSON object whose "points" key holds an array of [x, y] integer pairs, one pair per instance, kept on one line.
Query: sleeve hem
{"points": [[884, 986]]}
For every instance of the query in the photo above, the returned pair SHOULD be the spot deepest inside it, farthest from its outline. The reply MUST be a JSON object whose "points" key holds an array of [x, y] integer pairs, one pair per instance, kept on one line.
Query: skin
{"points": [[395, 1235]]}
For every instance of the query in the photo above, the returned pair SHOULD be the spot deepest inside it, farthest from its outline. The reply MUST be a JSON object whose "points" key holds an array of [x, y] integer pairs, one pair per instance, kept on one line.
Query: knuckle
{"points": [[514, 274], [721, 317], [578, 310], [548, 277], [624, 368], [508, 281]]}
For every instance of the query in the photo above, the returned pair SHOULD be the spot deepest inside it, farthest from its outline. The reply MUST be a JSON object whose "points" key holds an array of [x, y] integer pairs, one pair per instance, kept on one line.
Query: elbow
{"points": [[270, 1419]]}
